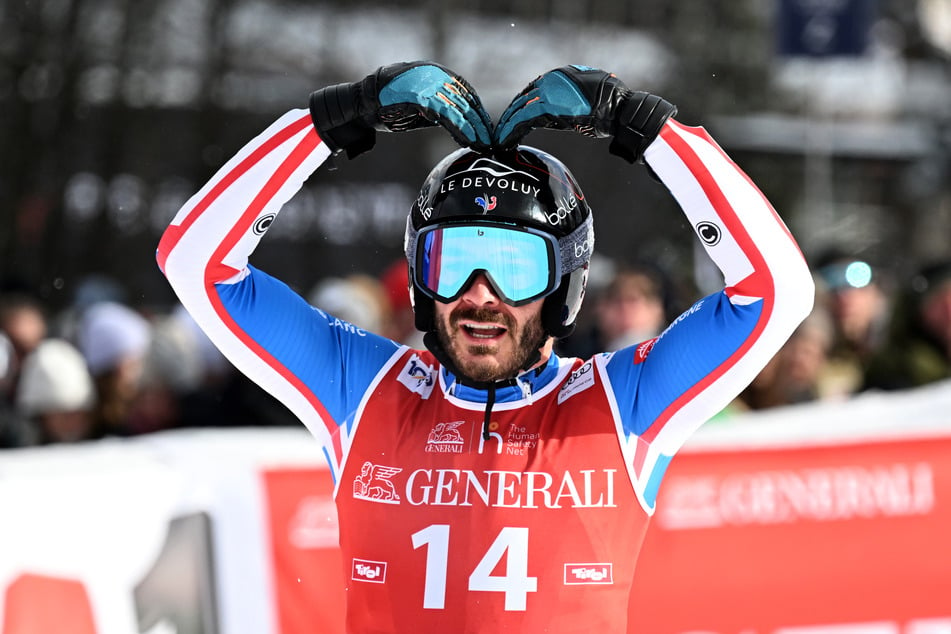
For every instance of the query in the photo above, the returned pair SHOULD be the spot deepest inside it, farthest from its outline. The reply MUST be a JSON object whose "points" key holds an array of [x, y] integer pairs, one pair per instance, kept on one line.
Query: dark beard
{"points": [[528, 342]]}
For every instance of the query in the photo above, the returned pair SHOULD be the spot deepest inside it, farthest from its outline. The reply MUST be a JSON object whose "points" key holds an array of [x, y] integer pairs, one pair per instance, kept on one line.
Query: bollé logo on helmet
{"points": [[422, 203], [564, 207]]}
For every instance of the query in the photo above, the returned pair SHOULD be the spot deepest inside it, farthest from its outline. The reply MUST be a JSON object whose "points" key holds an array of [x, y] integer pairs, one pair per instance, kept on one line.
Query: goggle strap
{"points": [[576, 247]]}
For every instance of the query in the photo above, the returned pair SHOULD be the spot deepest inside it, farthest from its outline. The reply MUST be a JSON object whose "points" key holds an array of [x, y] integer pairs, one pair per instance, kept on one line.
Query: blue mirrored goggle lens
{"points": [[520, 264]]}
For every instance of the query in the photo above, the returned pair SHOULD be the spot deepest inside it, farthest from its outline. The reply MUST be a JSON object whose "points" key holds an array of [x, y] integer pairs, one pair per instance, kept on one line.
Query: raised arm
{"points": [[313, 363], [667, 387], [715, 349]]}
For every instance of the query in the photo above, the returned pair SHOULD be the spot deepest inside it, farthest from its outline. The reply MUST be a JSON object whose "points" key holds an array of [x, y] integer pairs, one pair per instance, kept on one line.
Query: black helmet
{"points": [[522, 188]]}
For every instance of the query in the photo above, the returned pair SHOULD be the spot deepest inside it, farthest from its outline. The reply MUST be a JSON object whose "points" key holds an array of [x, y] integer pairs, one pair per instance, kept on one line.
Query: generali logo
{"points": [[446, 438], [375, 484], [588, 488]]}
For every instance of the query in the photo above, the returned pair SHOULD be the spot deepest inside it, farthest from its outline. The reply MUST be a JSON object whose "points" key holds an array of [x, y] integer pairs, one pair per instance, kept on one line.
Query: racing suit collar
{"points": [[521, 387]]}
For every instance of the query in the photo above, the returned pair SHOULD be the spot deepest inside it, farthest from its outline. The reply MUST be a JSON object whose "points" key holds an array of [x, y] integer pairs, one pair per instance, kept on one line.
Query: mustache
{"points": [[486, 315]]}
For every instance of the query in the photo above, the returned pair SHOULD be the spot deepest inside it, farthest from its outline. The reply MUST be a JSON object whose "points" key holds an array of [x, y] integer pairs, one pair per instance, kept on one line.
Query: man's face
{"points": [[486, 338]]}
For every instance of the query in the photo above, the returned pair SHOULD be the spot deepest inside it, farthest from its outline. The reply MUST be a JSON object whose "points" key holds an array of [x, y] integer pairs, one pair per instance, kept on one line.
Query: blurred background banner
{"points": [[817, 519], [822, 28]]}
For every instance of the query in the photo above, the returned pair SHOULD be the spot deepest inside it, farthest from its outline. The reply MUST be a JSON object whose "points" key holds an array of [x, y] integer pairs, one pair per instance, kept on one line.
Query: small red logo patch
{"points": [[365, 570], [644, 349]]}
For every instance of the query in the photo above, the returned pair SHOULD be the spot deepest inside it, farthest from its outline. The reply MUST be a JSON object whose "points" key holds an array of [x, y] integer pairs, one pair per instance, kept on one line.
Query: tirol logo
{"points": [[375, 484], [445, 438], [709, 233], [589, 574], [366, 570], [418, 377], [487, 202]]}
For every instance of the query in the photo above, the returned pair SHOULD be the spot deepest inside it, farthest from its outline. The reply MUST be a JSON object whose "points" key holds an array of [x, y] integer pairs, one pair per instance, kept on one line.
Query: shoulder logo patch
{"points": [[644, 349], [580, 380], [418, 377]]}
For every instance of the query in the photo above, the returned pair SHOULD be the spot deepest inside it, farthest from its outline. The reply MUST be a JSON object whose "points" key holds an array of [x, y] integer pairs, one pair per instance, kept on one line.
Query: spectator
{"points": [[10, 423], [114, 340], [23, 322], [186, 382], [795, 374], [357, 299], [402, 324], [56, 395], [173, 372], [91, 289], [918, 350], [630, 309], [858, 303], [802, 362]]}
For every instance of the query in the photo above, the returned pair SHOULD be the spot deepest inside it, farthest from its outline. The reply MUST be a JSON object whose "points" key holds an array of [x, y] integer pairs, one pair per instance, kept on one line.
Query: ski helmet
{"points": [[519, 201]]}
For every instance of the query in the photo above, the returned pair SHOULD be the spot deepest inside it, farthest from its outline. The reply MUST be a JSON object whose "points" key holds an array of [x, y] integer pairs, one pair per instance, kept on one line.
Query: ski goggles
{"points": [[521, 263]]}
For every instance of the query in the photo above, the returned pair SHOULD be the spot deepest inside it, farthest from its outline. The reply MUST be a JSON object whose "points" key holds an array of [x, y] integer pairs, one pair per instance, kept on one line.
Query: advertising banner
{"points": [[790, 541]]}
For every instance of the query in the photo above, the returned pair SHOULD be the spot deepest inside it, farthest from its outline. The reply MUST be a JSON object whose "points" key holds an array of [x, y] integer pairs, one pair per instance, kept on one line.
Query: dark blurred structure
{"points": [[114, 112]]}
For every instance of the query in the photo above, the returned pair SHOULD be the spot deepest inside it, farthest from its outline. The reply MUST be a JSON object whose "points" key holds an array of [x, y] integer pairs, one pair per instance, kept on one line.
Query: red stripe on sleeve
{"points": [[174, 233], [217, 271], [169, 239], [761, 278]]}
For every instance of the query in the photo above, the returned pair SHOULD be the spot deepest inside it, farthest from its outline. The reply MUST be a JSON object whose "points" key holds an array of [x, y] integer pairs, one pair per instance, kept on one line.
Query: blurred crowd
{"points": [[106, 367]]}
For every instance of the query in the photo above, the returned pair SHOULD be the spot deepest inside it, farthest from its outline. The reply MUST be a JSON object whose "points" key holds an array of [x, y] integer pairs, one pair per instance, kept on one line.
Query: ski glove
{"points": [[591, 102], [396, 98]]}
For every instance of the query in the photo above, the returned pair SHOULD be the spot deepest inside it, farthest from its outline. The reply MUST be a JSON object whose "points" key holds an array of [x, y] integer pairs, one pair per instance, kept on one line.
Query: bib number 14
{"points": [[511, 543]]}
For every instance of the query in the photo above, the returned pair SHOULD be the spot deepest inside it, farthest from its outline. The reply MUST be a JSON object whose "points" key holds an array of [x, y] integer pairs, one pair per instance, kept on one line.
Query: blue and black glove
{"points": [[591, 102], [396, 98]]}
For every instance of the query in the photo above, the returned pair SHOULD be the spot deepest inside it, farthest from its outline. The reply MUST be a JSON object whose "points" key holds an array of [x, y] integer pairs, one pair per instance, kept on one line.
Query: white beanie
{"points": [[356, 299], [110, 332], [54, 378]]}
